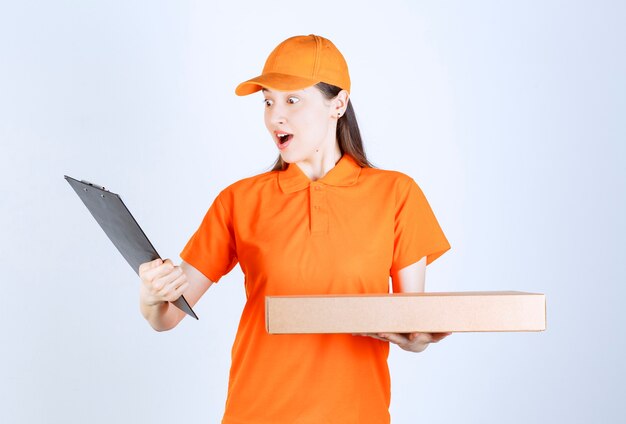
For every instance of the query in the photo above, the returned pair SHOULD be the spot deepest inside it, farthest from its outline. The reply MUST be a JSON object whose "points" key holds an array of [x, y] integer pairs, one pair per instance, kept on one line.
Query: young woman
{"points": [[323, 221]]}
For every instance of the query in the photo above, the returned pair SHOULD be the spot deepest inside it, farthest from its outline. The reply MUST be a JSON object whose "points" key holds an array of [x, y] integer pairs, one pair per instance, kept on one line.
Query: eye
{"points": [[267, 102], [293, 100]]}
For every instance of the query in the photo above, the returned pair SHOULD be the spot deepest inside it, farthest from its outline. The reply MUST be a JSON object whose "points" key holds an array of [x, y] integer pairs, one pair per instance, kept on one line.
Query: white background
{"points": [[509, 115]]}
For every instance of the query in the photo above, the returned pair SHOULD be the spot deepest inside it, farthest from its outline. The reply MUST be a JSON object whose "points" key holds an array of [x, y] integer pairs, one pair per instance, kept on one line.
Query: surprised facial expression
{"points": [[300, 123]]}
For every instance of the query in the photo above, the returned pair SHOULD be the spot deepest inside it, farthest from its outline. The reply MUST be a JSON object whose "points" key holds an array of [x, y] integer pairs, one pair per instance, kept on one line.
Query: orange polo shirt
{"points": [[344, 233]]}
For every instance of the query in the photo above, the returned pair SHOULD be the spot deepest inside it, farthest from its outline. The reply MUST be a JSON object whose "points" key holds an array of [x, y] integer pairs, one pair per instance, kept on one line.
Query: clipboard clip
{"points": [[93, 185]]}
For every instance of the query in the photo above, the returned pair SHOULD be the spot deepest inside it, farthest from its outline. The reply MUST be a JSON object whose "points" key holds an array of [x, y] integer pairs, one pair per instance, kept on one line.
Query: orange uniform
{"points": [[344, 233]]}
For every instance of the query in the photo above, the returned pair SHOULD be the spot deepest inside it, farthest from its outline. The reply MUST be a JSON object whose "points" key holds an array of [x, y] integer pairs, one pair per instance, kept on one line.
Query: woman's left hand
{"points": [[412, 342]]}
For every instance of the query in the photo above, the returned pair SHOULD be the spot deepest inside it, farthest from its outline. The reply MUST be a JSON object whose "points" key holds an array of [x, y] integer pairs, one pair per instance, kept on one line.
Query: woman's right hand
{"points": [[161, 281]]}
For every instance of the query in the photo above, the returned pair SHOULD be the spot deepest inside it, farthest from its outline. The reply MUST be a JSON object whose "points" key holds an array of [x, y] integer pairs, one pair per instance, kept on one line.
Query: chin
{"points": [[297, 156], [289, 157]]}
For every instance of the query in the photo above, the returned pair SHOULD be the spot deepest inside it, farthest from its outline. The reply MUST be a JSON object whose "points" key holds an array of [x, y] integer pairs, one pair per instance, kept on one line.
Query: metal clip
{"points": [[93, 185]]}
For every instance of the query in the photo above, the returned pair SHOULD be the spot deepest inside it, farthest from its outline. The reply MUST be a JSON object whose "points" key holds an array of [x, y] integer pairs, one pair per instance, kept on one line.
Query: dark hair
{"points": [[348, 134]]}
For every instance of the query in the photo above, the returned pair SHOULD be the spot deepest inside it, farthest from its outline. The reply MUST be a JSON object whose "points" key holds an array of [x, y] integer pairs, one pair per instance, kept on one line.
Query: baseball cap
{"points": [[299, 62]]}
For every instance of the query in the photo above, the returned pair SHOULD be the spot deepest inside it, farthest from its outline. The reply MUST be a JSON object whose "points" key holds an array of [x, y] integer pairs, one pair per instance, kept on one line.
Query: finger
{"points": [[177, 282], [372, 335], [436, 337], [428, 337], [420, 338], [173, 287], [395, 338], [176, 293], [158, 272], [149, 265], [164, 281]]}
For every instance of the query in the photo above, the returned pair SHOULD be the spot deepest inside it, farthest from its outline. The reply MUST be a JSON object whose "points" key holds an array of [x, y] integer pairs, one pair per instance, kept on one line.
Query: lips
{"points": [[283, 139]]}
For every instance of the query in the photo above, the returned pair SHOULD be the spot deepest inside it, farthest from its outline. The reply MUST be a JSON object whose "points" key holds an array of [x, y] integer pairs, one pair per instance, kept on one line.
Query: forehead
{"points": [[269, 91]]}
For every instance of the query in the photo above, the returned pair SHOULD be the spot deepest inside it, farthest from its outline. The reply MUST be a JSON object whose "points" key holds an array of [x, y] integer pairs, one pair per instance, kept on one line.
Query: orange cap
{"points": [[299, 62]]}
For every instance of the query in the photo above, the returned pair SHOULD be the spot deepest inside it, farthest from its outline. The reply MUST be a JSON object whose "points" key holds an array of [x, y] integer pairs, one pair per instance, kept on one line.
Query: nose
{"points": [[277, 115]]}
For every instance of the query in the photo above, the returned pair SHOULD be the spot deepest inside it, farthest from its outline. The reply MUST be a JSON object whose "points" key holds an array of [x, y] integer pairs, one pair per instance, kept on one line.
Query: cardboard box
{"points": [[406, 312]]}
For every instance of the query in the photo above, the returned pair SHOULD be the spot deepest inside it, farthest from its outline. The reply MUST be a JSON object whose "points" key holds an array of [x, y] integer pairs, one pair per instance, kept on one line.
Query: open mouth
{"points": [[283, 138]]}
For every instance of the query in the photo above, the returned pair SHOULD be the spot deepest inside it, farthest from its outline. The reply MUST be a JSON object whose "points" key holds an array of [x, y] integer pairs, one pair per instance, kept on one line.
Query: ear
{"points": [[340, 104]]}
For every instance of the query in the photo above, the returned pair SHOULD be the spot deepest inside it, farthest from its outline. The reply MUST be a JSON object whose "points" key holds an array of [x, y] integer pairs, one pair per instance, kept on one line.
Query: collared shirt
{"points": [[344, 233]]}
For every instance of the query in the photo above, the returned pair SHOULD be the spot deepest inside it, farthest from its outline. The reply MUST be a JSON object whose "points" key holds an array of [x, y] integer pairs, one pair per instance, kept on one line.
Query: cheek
{"points": [[268, 124], [318, 125], [315, 122]]}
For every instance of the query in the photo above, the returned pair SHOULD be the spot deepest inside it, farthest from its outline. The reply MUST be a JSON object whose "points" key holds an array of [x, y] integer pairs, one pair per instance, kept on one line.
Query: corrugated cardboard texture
{"points": [[406, 313]]}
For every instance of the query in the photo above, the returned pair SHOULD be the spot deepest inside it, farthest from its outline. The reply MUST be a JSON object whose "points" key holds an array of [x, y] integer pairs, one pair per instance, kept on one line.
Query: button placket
{"points": [[319, 209]]}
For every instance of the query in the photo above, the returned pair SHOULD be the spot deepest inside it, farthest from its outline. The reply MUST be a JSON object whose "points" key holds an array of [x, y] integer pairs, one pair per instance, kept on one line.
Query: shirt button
{"points": [[318, 188]]}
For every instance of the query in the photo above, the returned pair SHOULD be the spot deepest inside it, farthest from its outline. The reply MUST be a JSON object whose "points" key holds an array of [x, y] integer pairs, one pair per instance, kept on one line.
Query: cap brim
{"points": [[280, 82]]}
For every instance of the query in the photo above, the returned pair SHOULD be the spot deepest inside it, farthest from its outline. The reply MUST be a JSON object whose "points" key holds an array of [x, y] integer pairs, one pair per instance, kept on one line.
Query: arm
{"points": [[162, 282], [411, 279]]}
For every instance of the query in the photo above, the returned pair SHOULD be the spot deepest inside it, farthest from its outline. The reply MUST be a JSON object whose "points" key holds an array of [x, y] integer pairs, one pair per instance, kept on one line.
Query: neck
{"points": [[321, 163]]}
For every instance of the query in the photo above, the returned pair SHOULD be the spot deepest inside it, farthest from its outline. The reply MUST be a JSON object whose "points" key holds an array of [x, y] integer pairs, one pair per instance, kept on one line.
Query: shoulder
{"points": [[253, 182], [385, 174], [394, 181], [249, 186]]}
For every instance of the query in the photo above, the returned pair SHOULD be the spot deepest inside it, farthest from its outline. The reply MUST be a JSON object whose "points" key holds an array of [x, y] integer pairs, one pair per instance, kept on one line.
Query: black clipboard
{"points": [[121, 227]]}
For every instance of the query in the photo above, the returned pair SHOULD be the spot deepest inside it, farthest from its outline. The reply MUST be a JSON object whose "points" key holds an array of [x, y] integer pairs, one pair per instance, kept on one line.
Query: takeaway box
{"points": [[406, 312]]}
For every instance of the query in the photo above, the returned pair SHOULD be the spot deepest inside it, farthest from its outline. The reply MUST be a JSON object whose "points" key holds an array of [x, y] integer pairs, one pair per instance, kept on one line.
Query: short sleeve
{"points": [[211, 249], [416, 230]]}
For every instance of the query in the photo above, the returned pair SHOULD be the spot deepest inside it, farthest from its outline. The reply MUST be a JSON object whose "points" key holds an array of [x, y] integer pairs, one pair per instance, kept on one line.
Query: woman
{"points": [[323, 221]]}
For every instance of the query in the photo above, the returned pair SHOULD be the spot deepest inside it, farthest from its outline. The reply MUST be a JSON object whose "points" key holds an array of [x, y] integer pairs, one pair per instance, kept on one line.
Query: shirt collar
{"points": [[345, 173]]}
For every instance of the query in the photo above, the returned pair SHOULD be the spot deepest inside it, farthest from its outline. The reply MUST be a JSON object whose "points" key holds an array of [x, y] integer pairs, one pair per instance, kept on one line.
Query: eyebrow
{"points": [[294, 93]]}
